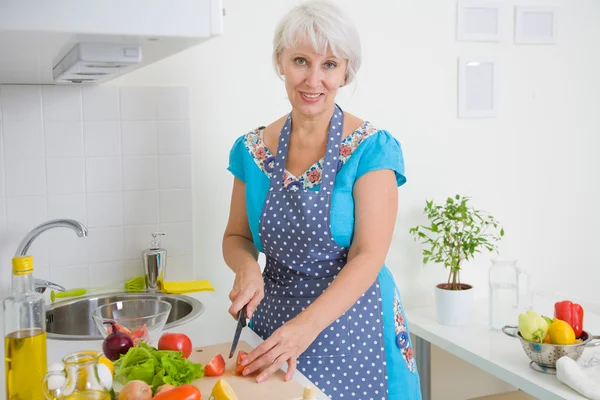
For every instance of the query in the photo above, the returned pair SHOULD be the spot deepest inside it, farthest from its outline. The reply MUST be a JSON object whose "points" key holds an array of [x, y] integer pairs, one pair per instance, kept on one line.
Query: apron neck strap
{"points": [[332, 152]]}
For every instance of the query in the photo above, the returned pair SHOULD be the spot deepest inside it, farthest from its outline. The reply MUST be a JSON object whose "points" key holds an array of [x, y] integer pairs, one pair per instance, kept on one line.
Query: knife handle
{"points": [[242, 316]]}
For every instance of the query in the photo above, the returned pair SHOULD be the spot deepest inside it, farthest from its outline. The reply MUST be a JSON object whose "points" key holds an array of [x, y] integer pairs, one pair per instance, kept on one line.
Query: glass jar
{"points": [[78, 380], [508, 293]]}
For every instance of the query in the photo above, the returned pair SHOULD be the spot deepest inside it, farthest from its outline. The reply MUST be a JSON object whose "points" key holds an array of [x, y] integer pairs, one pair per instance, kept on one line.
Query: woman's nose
{"points": [[313, 77]]}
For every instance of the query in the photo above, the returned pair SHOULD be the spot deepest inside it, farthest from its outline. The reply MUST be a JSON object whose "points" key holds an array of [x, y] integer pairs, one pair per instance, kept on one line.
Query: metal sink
{"points": [[72, 319]]}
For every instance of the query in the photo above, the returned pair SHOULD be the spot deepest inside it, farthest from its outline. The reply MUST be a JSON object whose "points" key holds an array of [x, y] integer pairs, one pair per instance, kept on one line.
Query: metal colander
{"points": [[546, 355]]}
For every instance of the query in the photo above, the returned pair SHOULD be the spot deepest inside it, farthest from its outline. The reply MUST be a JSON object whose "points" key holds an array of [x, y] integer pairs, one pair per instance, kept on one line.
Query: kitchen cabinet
{"points": [[97, 41]]}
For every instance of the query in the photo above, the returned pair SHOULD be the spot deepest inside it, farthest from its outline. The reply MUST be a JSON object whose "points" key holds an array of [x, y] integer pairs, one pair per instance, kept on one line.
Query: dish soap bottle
{"points": [[24, 335], [155, 262]]}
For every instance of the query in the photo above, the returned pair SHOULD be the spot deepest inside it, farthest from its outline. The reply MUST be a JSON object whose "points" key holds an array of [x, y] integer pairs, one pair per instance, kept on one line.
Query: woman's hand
{"points": [[284, 345], [248, 288]]}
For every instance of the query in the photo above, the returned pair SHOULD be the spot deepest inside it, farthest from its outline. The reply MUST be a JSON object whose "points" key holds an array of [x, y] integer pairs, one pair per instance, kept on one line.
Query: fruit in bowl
{"points": [[142, 320]]}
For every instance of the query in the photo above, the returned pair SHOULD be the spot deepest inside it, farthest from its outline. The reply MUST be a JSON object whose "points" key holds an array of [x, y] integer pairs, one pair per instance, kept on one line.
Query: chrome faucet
{"points": [[80, 229]]}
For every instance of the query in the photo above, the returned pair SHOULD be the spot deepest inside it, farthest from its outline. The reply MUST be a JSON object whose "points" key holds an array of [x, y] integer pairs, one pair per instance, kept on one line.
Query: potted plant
{"points": [[456, 233]]}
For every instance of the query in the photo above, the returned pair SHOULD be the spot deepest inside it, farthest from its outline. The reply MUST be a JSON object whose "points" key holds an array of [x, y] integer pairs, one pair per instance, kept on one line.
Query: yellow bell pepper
{"points": [[561, 332]]}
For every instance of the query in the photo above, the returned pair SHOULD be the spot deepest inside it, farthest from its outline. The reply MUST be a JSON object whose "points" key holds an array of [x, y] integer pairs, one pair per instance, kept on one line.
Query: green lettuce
{"points": [[156, 367]]}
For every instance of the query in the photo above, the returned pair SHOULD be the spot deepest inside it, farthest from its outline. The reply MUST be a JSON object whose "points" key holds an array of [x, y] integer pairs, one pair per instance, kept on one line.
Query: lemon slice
{"points": [[222, 391], [310, 393], [104, 360]]}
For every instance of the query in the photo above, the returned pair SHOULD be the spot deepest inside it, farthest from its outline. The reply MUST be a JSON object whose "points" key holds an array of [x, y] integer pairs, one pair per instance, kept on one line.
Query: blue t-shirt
{"points": [[367, 149]]}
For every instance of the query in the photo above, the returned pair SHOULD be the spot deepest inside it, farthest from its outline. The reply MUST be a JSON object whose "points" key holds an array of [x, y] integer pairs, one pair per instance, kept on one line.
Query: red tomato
{"points": [[176, 342], [216, 366], [238, 363], [183, 392]]}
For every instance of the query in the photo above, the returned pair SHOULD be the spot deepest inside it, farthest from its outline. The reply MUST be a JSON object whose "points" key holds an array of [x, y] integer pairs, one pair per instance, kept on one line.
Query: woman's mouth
{"points": [[311, 97]]}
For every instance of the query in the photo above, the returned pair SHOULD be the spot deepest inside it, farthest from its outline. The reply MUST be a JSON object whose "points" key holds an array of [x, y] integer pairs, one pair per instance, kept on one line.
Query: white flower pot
{"points": [[454, 307]]}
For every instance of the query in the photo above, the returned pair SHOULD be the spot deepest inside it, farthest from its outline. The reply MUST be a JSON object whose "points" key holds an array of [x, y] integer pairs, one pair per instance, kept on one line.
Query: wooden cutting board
{"points": [[245, 387]]}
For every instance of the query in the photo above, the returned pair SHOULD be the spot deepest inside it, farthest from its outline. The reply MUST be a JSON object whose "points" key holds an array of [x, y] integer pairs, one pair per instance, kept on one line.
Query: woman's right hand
{"points": [[248, 288]]}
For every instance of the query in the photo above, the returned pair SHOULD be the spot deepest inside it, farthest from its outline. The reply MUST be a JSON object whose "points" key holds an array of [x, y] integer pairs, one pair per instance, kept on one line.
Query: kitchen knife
{"points": [[238, 330]]}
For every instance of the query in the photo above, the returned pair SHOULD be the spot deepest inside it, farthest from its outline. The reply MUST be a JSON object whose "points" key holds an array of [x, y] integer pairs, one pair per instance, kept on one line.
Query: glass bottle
{"points": [[24, 335]]}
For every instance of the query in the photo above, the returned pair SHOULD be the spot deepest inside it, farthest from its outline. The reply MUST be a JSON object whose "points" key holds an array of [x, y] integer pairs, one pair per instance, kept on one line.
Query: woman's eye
{"points": [[300, 61], [330, 65]]}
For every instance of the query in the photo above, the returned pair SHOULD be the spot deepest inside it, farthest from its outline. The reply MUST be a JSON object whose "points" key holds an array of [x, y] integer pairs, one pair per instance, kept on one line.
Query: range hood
{"points": [[75, 41]]}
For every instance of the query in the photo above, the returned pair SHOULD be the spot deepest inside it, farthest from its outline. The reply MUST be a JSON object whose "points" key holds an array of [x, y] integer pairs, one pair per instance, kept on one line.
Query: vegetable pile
{"points": [[139, 390], [564, 329]]}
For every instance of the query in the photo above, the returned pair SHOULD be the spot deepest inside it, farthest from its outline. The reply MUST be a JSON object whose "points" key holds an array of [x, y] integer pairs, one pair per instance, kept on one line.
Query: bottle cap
{"points": [[22, 265], [155, 242]]}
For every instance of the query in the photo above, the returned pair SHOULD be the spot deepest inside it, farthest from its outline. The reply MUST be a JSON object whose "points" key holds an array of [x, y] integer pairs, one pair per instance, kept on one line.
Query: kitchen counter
{"points": [[213, 326], [492, 351]]}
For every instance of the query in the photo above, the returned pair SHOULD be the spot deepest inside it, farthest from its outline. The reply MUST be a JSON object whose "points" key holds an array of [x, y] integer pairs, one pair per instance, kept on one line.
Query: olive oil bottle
{"points": [[24, 335]]}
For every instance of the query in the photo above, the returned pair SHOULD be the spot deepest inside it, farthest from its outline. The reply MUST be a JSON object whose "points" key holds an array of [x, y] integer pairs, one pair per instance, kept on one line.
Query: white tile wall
{"points": [[104, 174], [102, 139], [21, 103], [174, 172], [116, 159], [101, 103], [65, 175], [63, 139], [2, 215], [140, 173], [2, 175], [139, 137], [23, 139]]}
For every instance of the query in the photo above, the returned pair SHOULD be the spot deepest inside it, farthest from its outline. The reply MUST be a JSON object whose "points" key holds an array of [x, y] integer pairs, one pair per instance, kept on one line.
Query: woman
{"points": [[316, 191]]}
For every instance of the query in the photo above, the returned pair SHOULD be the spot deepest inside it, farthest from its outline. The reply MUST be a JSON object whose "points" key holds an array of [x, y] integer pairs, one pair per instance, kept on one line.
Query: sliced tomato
{"points": [[215, 367], [183, 392], [238, 362], [120, 328], [140, 334]]}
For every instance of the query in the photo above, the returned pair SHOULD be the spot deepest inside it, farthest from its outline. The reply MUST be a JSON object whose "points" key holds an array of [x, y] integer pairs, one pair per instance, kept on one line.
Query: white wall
{"points": [[534, 167]]}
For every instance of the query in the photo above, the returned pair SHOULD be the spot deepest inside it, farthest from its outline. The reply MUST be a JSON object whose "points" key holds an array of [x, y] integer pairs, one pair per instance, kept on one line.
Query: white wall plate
{"points": [[479, 21], [477, 87], [536, 25]]}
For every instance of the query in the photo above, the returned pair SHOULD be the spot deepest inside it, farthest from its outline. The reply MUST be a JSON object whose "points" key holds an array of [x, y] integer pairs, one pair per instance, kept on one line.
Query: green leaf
{"points": [[156, 367]]}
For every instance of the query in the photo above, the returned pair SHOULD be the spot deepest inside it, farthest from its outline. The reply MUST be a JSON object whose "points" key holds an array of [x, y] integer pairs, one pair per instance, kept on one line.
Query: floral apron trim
{"points": [[312, 177], [402, 335]]}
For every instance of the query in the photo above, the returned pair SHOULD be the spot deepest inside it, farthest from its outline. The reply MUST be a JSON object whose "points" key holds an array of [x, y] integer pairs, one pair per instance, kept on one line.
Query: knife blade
{"points": [[238, 330]]}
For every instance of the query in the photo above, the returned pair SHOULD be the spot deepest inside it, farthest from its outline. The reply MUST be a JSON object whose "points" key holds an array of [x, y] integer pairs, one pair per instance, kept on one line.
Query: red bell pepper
{"points": [[571, 313]]}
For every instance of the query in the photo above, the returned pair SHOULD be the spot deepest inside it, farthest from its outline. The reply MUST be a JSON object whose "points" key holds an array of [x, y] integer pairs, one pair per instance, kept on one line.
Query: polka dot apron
{"points": [[347, 359]]}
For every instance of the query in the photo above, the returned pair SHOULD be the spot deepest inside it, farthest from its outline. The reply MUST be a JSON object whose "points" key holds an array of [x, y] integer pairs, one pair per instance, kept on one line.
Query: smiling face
{"points": [[311, 79]]}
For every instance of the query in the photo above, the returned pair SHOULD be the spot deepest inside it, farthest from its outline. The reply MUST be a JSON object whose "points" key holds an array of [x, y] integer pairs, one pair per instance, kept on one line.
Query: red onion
{"points": [[116, 343]]}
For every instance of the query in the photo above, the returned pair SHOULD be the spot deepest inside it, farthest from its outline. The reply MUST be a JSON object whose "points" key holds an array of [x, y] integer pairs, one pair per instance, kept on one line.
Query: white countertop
{"points": [[213, 326], [495, 352]]}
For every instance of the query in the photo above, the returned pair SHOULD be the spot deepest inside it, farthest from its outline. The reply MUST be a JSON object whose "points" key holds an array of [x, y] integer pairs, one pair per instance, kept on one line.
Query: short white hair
{"points": [[324, 24]]}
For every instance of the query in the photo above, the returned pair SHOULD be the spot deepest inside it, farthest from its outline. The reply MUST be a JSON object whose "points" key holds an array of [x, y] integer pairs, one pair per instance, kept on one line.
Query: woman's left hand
{"points": [[284, 345]]}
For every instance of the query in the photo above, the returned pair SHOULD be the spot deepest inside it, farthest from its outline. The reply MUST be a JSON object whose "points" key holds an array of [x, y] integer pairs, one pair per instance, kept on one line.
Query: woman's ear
{"points": [[280, 65], [344, 81]]}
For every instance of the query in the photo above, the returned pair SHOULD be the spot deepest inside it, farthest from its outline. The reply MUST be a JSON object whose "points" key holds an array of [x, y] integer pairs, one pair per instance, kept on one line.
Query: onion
{"points": [[163, 388], [116, 343], [136, 390]]}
